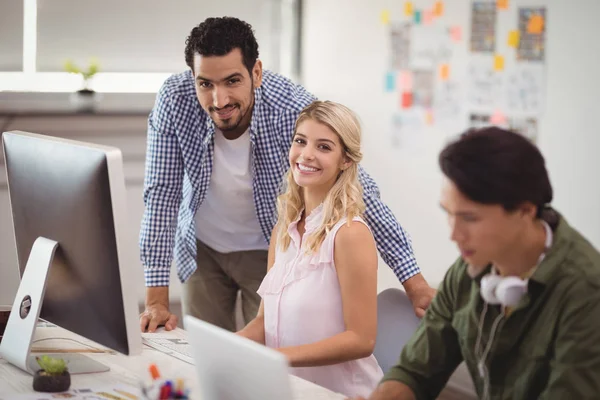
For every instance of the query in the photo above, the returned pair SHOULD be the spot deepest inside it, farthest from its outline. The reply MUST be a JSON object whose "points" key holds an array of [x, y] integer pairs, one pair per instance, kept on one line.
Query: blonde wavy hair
{"points": [[345, 197]]}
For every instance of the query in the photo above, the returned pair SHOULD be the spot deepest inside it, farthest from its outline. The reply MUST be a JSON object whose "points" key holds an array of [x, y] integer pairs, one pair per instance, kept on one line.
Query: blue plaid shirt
{"points": [[179, 162]]}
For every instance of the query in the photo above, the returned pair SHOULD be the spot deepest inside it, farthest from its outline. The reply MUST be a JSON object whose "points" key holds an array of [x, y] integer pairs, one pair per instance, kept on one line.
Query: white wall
{"points": [[345, 58]]}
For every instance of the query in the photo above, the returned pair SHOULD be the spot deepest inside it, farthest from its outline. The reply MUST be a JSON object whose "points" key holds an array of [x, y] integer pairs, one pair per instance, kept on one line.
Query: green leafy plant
{"points": [[51, 365], [87, 74]]}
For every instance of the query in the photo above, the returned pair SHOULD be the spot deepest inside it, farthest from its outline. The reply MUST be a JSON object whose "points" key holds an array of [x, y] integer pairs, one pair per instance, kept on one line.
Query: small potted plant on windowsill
{"points": [[53, 376], [85, 98]]}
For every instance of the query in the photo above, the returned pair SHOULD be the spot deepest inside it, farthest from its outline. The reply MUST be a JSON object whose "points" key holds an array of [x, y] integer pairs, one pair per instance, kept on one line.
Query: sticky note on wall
{"points": [[390, 81], [427, 17], [498, 62], [408, 9], [535, 25], [456, 33], [438, 8], [417, 16], [406, 100], [405, 81], [384, 17], [502, 4], [444, 72], [513, 39]]}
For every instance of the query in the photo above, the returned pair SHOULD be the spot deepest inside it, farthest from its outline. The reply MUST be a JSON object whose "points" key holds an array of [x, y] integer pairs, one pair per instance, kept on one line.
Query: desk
{"points": [[128, 370]]}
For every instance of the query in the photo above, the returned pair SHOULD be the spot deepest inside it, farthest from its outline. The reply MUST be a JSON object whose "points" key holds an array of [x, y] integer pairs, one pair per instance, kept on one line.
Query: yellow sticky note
{"points": [[385, 17], [502, 4], [438, 8], [408, 9], [513, 38], [444, 72], [429, 117], [536, 24], [498, 62]]}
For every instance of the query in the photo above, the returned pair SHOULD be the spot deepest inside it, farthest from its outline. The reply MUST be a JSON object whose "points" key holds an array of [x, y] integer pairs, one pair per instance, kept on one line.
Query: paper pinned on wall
{"points": [[456, 33], [498, 62], [390, 81], [384, 17], [438, 8], [502, 4], [513, 39], [430, 46], [532, 45], [483, 27], [527, 127], [448, 103], [401, 45], [484, 87], [423, 88], [408, 8], [525, 89]]}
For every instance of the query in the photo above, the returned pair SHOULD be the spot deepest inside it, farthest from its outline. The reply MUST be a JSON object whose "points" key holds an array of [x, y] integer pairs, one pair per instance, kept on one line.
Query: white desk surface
{"points": [[129, 370]]}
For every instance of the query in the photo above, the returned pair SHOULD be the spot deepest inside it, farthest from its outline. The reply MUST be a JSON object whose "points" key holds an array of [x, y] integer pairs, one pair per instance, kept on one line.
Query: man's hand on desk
{"points": [[157, 310], [390, 390]]}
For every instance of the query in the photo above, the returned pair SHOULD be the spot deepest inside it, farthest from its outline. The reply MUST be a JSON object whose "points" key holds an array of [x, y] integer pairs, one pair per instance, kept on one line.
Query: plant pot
{"points": [[42, 382], [84, 100]]}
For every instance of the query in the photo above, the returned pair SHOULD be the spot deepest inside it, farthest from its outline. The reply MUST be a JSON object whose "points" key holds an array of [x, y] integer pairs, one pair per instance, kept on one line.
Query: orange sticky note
{"points": [[535, 25], [408, 9], [444, 72], [428, 17], [498, 62], [502, 4], [513, 38], [384, 17], [438, 8], [406, 100], [456, 33]]}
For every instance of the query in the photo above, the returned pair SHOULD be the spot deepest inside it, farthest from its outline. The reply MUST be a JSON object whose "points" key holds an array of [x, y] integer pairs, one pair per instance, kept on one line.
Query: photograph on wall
{"points": [[400, 35], [423, 88], [532, 33], [483, 27]]}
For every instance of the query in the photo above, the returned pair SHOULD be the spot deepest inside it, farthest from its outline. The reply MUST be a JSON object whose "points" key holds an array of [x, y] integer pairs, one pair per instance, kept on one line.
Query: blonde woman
{"points": [[319, 297]]}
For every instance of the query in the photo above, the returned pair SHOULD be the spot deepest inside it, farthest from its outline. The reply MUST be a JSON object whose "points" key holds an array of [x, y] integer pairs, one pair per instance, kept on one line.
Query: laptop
{"points": [[230, 367]]}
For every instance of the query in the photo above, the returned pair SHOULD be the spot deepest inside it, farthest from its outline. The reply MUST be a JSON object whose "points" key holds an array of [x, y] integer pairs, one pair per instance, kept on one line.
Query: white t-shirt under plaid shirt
{"points": [[179, 161]]}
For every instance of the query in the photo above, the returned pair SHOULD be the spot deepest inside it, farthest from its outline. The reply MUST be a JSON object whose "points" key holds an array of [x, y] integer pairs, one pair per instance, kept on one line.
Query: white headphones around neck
{"points": [[508, 291]]}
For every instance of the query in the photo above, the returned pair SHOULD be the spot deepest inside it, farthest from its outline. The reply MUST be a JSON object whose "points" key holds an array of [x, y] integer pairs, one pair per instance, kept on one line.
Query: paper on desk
{"points": [[116, 392]]}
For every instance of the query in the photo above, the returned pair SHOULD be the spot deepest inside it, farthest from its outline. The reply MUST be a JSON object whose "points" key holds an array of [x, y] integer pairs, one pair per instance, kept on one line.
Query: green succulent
{"points": [[51, 365], [91, 70]]}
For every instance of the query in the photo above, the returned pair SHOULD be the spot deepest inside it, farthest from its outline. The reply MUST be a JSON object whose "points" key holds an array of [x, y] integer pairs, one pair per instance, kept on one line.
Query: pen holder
{"points": [[161, 389]]}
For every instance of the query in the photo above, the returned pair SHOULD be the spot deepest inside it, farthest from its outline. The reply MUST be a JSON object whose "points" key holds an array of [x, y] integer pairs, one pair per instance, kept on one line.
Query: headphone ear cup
{"points": [[489, 283], [510, 290]]}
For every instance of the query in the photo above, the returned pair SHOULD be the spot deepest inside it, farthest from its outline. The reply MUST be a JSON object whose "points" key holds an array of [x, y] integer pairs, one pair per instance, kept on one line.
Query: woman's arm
{"points": [[255, 329], [355, 257]]}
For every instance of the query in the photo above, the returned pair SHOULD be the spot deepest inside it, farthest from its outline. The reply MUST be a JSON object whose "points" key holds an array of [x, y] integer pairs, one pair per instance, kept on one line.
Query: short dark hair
{"points": [[496, 166], [218, 37]]}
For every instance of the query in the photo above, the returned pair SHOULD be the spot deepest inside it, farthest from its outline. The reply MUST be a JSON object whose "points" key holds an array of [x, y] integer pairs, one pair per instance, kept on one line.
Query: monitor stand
{"points": [[16, 342]]}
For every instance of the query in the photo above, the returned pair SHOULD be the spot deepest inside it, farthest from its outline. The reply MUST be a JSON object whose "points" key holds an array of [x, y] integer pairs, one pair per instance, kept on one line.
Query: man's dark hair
{"points": [[496, 166], [219, 36]]}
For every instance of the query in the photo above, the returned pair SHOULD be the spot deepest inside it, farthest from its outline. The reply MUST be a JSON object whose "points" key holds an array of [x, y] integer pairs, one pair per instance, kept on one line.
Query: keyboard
{"points": [[178, 348]]}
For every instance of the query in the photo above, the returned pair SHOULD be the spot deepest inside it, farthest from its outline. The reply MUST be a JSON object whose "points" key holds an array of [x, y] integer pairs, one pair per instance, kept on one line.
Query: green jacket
{"points": [[547, 348]]}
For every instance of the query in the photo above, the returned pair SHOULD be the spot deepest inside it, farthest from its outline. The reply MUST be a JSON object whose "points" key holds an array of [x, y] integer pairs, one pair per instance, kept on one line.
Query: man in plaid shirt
{"points": [[218, 142]]}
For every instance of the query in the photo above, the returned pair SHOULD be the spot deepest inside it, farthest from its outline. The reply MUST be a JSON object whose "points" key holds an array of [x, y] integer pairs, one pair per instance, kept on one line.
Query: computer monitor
{"points": [[74, 246], [230, 367]]}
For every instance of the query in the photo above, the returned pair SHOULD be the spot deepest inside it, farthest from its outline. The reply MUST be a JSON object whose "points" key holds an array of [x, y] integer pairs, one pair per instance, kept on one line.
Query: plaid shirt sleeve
{"points": [[162, 193], [393, 242]]}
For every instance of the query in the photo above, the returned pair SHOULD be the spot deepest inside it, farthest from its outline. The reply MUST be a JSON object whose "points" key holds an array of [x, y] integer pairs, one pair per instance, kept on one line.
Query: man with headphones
{"points": [[521, 305]]}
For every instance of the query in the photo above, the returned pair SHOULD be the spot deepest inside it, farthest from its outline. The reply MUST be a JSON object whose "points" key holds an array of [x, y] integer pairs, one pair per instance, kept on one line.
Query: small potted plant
{"points": [[85, 97], [53, 376]]}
